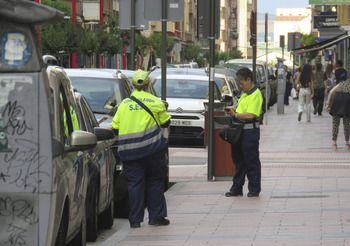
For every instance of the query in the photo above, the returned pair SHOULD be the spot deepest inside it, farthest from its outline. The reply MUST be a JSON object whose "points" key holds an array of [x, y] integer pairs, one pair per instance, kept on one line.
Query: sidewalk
{"points": [[305, 198]]}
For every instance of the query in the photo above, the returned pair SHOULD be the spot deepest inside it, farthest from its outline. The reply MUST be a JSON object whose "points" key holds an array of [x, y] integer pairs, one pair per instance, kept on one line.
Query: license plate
{"points": [[181, 123]]}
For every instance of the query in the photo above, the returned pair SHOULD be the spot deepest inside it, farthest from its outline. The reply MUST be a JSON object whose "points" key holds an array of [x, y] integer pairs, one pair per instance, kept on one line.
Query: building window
{"points": [[349, 12]]}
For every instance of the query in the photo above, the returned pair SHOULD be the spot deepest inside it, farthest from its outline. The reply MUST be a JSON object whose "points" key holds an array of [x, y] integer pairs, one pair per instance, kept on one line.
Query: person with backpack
{"points": [[319, 89]]}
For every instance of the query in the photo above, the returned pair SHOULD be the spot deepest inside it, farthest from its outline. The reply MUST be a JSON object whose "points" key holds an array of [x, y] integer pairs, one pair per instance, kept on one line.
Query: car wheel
{"points": [[80, 239], [92, 219], [62, 232], [107, 217]]}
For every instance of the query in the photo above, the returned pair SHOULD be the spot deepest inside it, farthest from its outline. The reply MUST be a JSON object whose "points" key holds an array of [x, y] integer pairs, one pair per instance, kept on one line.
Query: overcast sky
{"points": [[269, 6]]}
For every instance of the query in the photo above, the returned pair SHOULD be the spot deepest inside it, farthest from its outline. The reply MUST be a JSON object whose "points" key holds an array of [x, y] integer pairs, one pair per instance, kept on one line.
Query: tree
{"points": [[113, 39], [60, 36], [155, 40], [89, 43], [191, 52], [309, 39]]}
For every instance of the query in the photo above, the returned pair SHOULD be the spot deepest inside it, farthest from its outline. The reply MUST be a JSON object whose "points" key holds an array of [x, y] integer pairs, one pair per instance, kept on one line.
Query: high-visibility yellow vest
{"points": [[138, 133], [73, 116]]}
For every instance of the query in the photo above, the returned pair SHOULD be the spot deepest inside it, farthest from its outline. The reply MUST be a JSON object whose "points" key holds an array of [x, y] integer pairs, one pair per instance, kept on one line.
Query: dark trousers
{"points": [[245, 157], [287, 92], [318, 100], [146, 179]]}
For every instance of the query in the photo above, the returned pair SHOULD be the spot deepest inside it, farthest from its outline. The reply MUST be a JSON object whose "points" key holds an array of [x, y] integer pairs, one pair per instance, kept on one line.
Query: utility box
{"points": [[223, 165]]}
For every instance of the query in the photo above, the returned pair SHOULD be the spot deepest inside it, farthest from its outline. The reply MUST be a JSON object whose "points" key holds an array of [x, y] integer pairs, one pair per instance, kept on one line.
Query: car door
{"points": [[73, 161], [102, 153]]}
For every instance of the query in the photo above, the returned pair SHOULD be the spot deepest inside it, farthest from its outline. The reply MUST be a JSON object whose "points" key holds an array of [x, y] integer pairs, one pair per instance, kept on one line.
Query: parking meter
{"points": [[281, 86], [25, 127]]}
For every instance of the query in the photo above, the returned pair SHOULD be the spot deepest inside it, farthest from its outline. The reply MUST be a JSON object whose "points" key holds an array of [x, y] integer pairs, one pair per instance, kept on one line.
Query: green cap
{"points": [[140, 77]]}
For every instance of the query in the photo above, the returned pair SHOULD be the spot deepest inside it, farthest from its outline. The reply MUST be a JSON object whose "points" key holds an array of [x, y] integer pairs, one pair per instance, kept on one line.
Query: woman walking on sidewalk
{"points": [[320, 89], [305, 85], [338, 105], [329, 80]]}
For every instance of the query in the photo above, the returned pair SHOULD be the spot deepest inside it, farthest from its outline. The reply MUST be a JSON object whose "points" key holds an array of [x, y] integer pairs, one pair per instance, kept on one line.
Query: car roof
{"points": [[183, 71], [244, 61], [95, 73], [186, 77]]}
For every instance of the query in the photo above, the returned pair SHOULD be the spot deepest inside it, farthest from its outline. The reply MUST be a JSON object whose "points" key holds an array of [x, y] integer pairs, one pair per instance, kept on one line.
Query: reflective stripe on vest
{"points": [[139, 139], [138, 145]]}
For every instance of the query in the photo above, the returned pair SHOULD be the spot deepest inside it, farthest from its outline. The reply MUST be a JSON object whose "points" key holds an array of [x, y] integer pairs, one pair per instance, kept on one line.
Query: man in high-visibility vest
{"points": [[141, 148]]}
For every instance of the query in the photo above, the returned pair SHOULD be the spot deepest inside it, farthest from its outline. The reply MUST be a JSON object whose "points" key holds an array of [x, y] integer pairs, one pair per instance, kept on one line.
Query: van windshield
{"points": [[101, 94]]}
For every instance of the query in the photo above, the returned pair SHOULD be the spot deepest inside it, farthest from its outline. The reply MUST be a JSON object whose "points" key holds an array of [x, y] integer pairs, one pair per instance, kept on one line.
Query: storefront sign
{"points": [[331, 2], [324, 21]]}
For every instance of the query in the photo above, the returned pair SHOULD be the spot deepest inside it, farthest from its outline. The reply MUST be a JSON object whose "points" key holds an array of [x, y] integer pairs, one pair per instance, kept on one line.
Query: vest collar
{"points": [[252, 90]]}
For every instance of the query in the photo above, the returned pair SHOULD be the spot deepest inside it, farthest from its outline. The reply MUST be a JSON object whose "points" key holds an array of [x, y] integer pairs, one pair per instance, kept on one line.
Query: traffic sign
{"points": [[175, 10], [125, 15]]}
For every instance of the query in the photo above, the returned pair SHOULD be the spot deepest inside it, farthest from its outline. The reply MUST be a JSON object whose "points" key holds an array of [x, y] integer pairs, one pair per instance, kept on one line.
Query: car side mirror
{"points": [[103, 134], [80, 140]]}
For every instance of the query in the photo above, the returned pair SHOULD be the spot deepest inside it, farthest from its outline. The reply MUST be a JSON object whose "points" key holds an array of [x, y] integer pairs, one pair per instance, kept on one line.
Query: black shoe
{"points": [[315, 111], [234, 193], [252, 194], [159, 222], [135, 225], [319, 114], [299, 116]]}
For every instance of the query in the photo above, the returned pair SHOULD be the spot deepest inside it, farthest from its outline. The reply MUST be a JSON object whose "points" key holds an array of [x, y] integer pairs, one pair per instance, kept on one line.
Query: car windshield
{"points": [[178, 88], [221, 83], [101, 94]]}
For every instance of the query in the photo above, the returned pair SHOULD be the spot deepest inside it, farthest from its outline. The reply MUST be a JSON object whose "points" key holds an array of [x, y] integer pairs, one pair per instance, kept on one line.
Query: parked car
{"points": [[100, 192], [43, 154], [186, 96], [104, 89], [228, 92]]}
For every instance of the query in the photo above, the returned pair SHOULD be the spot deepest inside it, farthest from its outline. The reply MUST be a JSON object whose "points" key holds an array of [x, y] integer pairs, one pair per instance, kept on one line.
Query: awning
{"points": [[321, 45]]}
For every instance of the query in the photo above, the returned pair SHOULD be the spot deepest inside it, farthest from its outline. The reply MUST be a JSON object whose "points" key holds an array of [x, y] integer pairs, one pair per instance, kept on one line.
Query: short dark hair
{"points": [[340, 63], [244, 73]]}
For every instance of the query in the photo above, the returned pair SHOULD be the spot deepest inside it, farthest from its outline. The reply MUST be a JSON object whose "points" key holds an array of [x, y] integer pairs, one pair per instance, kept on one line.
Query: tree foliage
{"points": [[60, 36], [309, 39], [155, 40], [89, 43], [191, 52]]}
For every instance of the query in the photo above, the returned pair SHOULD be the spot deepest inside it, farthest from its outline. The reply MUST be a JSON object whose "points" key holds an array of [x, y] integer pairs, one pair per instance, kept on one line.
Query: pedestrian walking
{"points": [[329, 78], [338, 105], [245, 155], [289, 85], [141, 148], [340, 73], [305, 92], [319, 89]]}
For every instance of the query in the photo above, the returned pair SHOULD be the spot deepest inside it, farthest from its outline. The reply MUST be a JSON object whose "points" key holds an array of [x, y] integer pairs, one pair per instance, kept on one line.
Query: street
{"points": [[304, 196]]}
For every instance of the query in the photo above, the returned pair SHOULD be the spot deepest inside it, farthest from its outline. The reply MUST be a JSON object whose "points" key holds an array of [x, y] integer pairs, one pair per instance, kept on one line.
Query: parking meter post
{"points": [[132, 36], [164, 46], [281, 86], [267, 66], [211, 91]]}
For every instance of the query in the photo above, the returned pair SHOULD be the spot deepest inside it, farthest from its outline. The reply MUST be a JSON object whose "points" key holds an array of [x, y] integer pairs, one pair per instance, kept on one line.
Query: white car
{"points": [[186, 96]]}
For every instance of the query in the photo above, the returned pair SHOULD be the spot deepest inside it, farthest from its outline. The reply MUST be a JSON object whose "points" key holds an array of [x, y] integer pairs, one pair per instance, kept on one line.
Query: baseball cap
{"points": [[140, 77]]}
